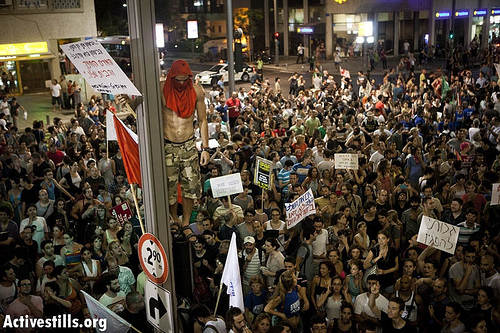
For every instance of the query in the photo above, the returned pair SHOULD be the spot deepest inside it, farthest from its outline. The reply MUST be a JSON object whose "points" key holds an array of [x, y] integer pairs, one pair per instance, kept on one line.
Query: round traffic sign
{"points": [[153, 258]]}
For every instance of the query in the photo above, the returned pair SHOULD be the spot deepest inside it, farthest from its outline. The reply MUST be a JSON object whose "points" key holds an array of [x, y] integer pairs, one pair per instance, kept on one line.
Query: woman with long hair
{"points": [[69, 290], [98, 251], [321, 283], [326, 178], [262, 323], [384, 176], [115, 250], [369, 194], [111, 233], [91, 270], [485, 307], [335, 258], [452, 322], [274, 260], [286, 304], [332, 299], [299, 147], [71, 252], [346, 323], [14, 197], [354, 281], [312, 181], [57, 237], [385, 257]]}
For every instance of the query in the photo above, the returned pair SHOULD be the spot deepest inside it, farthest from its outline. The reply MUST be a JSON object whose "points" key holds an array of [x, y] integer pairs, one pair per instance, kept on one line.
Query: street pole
{"points": [[276, 40], [141, 17], [230, 52]]}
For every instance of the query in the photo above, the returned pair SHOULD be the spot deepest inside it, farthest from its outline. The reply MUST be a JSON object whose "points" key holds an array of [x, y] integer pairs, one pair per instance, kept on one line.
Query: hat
{"points": [[369, 114], [249, 239]]}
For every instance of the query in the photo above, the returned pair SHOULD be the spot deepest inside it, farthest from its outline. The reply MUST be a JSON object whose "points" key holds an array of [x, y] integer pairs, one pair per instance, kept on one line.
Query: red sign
{"points": [[153, 258], [122, 213]]}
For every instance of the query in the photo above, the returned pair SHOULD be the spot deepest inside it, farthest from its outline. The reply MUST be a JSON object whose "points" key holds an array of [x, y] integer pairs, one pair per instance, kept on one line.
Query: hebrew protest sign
{"points": [[299, 209], [346, 161], [262, 174], [226, 185], [99, 69], [441, 235]]}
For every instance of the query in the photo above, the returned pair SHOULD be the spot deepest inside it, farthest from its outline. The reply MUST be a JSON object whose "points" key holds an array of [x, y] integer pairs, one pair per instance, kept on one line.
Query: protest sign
{"points": [[346, 161], [299, 209], [495, 194], [226, 185], [122, 213], [99, 69], [441, 235], [262, 174]]}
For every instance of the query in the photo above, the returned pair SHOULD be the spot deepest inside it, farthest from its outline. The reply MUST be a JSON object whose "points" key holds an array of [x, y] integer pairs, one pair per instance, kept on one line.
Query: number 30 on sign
{"points": [[153, 258]]}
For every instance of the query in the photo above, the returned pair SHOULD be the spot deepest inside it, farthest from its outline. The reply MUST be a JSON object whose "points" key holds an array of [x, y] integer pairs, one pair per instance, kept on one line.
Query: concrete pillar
{"points": [[432, 25], [286, 34], [486, 28], [306, 37], [416, 35], [55, 69], [375, 31], [266, 23], [329, 44], [396, 34], [468, 29]]}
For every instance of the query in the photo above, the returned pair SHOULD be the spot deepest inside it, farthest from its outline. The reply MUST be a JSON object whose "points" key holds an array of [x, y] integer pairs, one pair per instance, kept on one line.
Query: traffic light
{"points": [[451, 35], [276, 35]]}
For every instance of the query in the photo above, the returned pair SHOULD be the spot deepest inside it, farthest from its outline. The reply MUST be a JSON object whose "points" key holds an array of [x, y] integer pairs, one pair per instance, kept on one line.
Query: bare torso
{"points": [[178, 129]]}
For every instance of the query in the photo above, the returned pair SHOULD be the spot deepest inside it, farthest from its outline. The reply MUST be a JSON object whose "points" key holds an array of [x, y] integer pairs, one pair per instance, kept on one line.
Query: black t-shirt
{"points": [[387, 326], [138, 320]]}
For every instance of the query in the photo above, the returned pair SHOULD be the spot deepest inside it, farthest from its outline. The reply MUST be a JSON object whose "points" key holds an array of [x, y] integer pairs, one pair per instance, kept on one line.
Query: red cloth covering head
{"points": [[180, 96]]}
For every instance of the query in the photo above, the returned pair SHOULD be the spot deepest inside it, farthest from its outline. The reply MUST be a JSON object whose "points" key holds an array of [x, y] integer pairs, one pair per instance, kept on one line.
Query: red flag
{"points": [[129, 146]]}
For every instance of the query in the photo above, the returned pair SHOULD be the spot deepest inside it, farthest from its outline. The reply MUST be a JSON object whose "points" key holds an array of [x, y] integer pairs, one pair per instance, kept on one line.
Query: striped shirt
{"points": [[466, 232]]}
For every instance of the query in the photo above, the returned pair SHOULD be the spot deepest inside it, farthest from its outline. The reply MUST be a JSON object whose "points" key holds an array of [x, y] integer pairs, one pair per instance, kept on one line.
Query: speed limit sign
{"points": [[153, 258]]}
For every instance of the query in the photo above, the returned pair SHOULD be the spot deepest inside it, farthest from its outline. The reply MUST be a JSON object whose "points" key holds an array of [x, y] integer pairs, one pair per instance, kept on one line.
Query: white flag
{"points": [[110, 127], [497, 67], [231, 276], [114, 323]]}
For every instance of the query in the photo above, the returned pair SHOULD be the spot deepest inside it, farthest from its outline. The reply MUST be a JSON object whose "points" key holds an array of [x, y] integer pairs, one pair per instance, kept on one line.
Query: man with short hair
{"points": [[209, 323], [10, 227], [8, 289], [26, 305], [235, 320], [489, 275], [41, 229], [113, 298], [392, 320], [362, 310], [437, 305], [409, 218], [135, 312], [318, 324], [302, 168], [465, 279], [468, 227], [48, 254], [252, 262], [454, 215], [125, 276], [44, 206], [221, 211]]}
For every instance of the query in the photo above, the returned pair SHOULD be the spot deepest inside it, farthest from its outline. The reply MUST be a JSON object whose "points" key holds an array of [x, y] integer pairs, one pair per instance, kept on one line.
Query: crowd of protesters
{"points": [[427, 145]]}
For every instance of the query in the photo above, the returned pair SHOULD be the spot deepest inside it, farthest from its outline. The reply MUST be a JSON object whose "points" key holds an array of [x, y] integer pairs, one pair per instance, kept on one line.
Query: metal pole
{"points": [[142, 21], [230, 51], [276, 40]]}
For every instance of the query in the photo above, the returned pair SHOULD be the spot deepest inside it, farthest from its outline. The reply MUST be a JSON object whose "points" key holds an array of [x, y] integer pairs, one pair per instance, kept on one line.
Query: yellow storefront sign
{"points": [[23, 48]]}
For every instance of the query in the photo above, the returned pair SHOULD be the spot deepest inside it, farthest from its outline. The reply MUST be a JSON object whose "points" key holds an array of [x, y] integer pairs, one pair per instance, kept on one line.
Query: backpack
{"points": [[303, 262], [201, 291]]}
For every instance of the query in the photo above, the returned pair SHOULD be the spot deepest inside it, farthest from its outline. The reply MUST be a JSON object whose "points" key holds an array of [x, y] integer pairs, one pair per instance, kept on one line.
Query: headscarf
{"points": [[180, 97]]}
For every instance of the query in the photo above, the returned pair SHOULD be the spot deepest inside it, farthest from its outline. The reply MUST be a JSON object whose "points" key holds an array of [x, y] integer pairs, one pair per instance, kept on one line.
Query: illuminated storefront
{"points": [[24, 66]]}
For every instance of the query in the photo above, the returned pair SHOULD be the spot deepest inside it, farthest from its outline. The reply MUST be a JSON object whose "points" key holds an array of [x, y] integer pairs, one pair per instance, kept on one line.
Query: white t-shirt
{"points": [[41, 229], [319, 244], [4, 108], [56, 90], [361, 305]]}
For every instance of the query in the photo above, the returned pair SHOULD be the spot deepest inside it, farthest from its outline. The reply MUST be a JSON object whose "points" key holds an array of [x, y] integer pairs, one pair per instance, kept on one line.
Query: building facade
{"points": [[31, 34]]}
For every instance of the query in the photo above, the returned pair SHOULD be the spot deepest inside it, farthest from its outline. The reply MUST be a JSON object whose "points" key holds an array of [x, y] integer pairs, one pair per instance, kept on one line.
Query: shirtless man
{"points": [[180, 99]]}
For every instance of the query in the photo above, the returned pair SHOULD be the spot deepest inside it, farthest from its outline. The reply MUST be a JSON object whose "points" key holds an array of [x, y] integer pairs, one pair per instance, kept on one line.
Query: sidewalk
{"points": [[353, 65]]}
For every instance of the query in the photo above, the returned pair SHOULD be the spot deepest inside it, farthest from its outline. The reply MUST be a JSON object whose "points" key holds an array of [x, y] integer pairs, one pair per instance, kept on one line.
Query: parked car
{"points": [[211, 76]]}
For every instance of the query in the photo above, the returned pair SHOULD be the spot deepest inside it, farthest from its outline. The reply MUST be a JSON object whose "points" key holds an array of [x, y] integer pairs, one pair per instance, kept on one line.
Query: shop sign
{"points": [[480, 12], [495, 11], [23, 48], [305, 30], [462, 13], [443, 15]]}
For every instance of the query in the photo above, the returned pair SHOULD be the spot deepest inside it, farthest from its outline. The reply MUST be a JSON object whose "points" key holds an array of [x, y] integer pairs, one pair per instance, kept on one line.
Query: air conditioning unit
{"points": [[5, 3]]}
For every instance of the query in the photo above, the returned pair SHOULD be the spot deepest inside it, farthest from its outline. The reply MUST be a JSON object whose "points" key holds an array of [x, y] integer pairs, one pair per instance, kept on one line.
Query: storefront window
{"points": [[9, 81]]}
